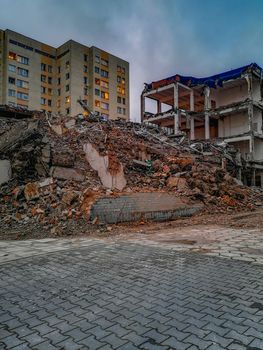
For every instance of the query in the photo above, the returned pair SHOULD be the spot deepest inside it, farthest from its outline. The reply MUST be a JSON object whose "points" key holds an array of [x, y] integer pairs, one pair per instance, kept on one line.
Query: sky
{"points": [[159, 38]]}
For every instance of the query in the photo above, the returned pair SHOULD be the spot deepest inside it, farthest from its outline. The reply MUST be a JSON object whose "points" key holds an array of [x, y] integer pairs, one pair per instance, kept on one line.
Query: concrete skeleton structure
{"points": [[37, 76], [226, 107]]}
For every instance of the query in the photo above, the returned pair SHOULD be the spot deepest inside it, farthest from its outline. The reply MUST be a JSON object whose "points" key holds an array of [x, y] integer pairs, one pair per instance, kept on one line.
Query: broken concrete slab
{"points": [[110, 178], [5, 171], [156, 206], [67, 173]]}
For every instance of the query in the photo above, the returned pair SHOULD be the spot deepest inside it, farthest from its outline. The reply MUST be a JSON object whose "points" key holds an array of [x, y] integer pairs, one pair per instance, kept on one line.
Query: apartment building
{"points": [[224, 107], [37, 76]]}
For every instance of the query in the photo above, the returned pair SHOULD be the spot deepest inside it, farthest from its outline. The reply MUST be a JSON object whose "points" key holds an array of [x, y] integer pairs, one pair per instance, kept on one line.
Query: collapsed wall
{"points": [[62, 170]]}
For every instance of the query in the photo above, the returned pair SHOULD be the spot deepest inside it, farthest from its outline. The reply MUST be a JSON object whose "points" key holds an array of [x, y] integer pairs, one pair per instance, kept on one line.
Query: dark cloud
{"points": [[157, 37]]}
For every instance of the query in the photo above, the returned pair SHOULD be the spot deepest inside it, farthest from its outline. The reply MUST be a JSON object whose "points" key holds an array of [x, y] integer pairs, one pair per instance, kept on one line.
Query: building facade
{"points": [[37, 76], [226, 107]]}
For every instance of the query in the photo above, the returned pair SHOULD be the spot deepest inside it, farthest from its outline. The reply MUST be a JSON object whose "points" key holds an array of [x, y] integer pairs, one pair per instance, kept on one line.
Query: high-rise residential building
{"points": [[38, 76]]}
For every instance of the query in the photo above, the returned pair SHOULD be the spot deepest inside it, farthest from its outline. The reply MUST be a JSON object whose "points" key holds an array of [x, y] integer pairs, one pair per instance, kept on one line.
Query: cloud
{"points": [[158, 37]]}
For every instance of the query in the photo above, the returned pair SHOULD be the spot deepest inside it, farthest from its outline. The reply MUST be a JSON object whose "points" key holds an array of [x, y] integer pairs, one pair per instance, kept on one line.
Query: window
{"points": [[119, 99], [123, 100], [67, 99], [43, 67], [49, 91], [59, 92], [97, 81], [85, 69], [59, 69], [43, 78], [96, 70], [97, 103], [97, 59], [119, 89], [85, 91], [85, 57], [123, 80], [104, 84], [11, 80], [119, 110], [43, 90], [11, 68], [11, 104], [118, 79], [22, 106], [67, 76], [85, 81], [43, 101], [104, 62], [123, 70], [67, 64], [104, 105], [23, 84], [119, 69], [67, 87], [22, 96], [12, 56], [67, 110], [123, 91], [11, 93], [49, 80], [124, 111], [58, 81], [105, 95], [49, 69], [97, 92], [104, 73], [22, 59], [49, 102], [22, 71]]}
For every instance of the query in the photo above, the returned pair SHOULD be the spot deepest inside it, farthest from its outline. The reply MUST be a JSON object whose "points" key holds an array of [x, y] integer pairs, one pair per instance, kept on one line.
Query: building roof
{"points": [[212, 81]]}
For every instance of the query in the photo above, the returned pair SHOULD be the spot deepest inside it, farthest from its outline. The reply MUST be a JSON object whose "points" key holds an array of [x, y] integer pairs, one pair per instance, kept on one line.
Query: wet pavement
{"points": [[190, 288]]}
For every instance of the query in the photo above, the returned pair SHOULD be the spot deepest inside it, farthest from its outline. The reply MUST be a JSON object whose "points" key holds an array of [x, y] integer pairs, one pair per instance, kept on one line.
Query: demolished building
{"points": [[59, 172], [226, 108]]}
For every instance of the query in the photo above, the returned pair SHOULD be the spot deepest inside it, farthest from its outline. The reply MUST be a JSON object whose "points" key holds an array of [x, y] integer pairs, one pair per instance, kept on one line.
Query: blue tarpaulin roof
{"points": [[212, 81]]}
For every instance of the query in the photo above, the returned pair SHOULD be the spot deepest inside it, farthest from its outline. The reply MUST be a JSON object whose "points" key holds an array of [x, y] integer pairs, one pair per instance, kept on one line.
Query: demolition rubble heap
{"points": [[60, 166]]}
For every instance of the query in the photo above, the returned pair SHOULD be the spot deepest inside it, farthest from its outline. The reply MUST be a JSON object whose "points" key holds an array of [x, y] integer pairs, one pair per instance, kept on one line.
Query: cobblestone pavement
{"points": [[116, 294], [237, 244]]}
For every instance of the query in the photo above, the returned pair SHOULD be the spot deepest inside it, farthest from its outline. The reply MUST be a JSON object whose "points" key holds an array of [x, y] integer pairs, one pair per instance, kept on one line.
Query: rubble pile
{"points": [[61, 165]]}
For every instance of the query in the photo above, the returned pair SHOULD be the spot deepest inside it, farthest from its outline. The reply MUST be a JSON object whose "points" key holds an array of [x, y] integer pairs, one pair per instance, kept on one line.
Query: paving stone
{"points": [[130, 294], [202, 344], [176, 344], [45, 346], [239, 337], [56, 337], [91, 343], [12, 341], [257, 344], [113, 341], [68, 344]]}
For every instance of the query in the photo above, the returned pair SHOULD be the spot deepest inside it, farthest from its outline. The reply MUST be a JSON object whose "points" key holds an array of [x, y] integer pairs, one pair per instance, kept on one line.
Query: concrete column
{"points": [[192, 128], [159, 107], [176, 100], [207, 126], [176, 116], [142, 108], [176, 123], [207, 117], [251, 146], [253, 177], [192, 101]]}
